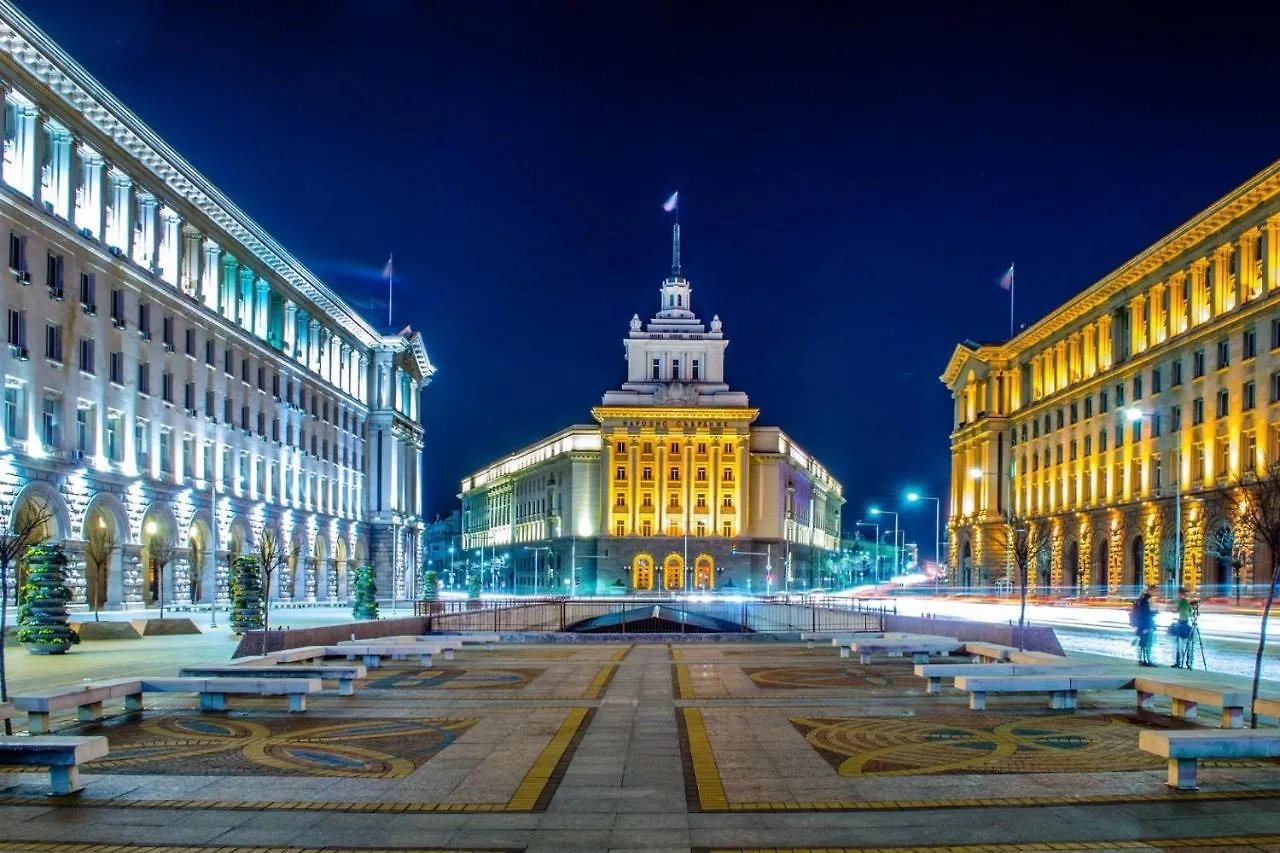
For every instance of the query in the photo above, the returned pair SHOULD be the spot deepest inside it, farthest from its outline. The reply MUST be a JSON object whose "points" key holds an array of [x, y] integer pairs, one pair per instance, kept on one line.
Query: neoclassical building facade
{"points": [[674, 487], [1116, 425], [172, 375]]}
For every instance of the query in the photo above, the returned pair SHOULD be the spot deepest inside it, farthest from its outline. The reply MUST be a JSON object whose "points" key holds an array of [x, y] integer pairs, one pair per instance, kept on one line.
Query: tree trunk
{"points": [[1022, 615], [1262, 644], [266, 609], [4, 610]]}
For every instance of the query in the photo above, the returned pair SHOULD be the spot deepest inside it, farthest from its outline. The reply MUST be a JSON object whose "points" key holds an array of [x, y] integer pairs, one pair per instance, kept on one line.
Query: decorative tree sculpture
{"points": [[17, 535], [473, 586], [430, 585], [365, 606], [246, 594], [42, 616]]}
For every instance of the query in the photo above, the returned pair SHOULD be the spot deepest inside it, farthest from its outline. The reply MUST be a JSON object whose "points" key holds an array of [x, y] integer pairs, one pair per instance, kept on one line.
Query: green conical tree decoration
{"points": [[42, 616], [246, 594], [473, 586], [365, 606], [430, 585]]}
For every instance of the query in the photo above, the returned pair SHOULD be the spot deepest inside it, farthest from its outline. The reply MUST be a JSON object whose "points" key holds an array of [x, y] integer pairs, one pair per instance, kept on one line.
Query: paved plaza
{"points": [[617, 746]]}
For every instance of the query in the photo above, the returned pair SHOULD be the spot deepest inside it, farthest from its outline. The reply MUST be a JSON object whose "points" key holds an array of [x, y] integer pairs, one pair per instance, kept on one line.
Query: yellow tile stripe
{"points": [[539, 776], [706, 776], [1153, 844], [676, 654], [622, 653], [598, 683], [684, 686]]}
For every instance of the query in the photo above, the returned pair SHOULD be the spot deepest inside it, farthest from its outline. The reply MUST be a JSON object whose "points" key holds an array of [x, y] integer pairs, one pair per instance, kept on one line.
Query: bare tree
{"points": [[1024, 550], [162, 551], [99, 545], [1223, 543], [17, 535], [272, 555], [1260, 520]]}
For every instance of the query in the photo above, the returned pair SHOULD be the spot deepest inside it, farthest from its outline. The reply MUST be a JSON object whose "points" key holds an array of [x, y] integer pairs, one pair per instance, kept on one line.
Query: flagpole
{"points": [[1012, 282], [391, 277]]}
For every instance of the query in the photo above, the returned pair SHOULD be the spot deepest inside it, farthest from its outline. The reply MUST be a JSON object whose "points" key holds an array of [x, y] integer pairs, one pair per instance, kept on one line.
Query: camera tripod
{"points": [[1193, 641]]}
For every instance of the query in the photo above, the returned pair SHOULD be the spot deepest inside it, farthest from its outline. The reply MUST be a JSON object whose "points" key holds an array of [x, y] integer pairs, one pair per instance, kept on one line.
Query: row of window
{"points": [[646, 529], [695, 370], [646, 448], [646, 501], [646, 474], [1071, 412]]}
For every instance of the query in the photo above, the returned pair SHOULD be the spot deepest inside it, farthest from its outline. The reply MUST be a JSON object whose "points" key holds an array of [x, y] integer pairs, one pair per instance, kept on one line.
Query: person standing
{"points": [[1143, 619], [1181, 631]]}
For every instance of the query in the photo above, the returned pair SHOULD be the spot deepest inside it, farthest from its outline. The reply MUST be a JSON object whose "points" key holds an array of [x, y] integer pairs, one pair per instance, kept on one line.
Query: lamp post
{"points": [[536, 551], [767, 553], [896, 552], [1133, 415], [861, 523], [916, 497]]}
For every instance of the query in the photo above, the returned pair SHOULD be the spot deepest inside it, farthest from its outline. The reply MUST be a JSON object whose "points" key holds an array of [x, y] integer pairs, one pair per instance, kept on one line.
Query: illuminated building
{"points": [[1163, 376], [673, 487], [171, 373]]}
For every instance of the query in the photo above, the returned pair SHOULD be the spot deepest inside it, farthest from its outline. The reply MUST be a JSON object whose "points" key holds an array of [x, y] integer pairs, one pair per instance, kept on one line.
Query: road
{"points": [[1230, 640]]}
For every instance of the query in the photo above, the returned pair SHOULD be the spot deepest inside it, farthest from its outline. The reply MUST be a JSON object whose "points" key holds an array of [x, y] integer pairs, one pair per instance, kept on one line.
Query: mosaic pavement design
{"points": [[969, 743], [827, 677], [450, 678], [58, 847], [1217, 844], [188, 745]]}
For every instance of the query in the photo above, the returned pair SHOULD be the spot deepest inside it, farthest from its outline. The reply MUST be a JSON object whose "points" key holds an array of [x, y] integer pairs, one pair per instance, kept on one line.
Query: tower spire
{"points": [[675, 248]]}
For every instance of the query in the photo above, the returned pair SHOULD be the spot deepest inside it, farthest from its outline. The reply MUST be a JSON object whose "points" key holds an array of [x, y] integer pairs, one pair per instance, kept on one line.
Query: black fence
{"points": [[651, 615]]}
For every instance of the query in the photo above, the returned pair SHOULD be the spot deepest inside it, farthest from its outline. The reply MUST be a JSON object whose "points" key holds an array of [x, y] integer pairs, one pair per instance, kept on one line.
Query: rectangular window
{"points": [[1088, 445], [88, 363], [646, 474], [208, 353], [1137, 432], [244, 370], [1175, 376], [53, 342], [262, 378], [1249, 343], [262, 424], [1175, 419], [1249, 396], [117, 368], [275, 389], [189, 397], [209, 406], [620, 473], [17, 252], [1137, 388], [1120, 435], [728, 475], [657, 370], [117, 308], [1197, 411], [244, 421], [697, 371], [228, 362], [675, 473], [1197, 364], [54, 277], [275, 429], [1248, 451], [1155, 425], [1224, 353], [620, 448], [1102, 441], [1075, 412], [675, 369], [51, 422], [17, 329], [1155, 381], [144, 320], [1088, 413], [1224, 402], [1120, 395], [1275, 387], [115, 436], [1102, 402], [166, 451], [15, 412], [88, 294], [1275, 333], [166, 386], [1059, 417], [191, 342], [144, 378], [167, 333], [1222, 465]]}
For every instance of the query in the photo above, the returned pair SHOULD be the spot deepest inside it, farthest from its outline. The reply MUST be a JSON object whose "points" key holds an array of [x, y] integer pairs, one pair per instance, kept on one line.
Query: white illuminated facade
{"points": [[171, 373], [674, 487]]}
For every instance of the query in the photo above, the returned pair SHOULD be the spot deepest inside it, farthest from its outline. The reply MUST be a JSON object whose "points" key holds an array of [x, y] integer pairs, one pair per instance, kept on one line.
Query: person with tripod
{"points": [[1143, 619], [1181, 631]]}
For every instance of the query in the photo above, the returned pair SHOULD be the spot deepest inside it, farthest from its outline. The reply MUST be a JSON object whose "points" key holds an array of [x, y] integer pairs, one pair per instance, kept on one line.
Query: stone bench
{"points": [[1063, 689], [1184, 748], [447, 646], [935, 672], [920, 648], [1187, 696], [1016, 656], [62, 755], [489, 640], [1266, 706], [373, 654], [87, 699], [7, 710], [344, 675], [840, 638], [992, 652]]}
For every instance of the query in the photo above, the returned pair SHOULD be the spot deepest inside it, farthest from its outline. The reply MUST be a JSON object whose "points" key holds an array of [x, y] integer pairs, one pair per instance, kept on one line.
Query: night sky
{"points": [[852, 184]]}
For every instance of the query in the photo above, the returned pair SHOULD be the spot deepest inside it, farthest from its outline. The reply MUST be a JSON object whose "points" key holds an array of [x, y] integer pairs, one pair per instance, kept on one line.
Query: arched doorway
{"points": [[966, 564], [1216, 572], [1071, 567], [1133, 569], [159, 550], [198, 543], [642, 573], [673, 572], [337, 583], [103, 535], [704, 572], [42, 518]]}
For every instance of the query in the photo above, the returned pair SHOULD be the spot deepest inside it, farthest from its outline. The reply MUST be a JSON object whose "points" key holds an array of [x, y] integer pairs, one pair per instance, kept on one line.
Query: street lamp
{"points": [[896, 553], [535, 551], [861, 523], [916, 497]]}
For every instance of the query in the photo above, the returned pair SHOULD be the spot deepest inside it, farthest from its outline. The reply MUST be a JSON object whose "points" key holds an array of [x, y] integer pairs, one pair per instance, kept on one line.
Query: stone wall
{"points": [[329, 635]]}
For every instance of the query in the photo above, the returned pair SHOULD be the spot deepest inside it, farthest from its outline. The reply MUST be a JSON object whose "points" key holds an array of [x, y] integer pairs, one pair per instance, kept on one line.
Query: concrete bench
{"points": [[446, 645], [87, 699], [1184, 748], [62, 755], [1186, 698], [1016, 656], [993, 652], [1063, 689], [920, 648], [840, 638], [344, 675], [1266, 706], [935, 672], [373, 654], [7, 710]]}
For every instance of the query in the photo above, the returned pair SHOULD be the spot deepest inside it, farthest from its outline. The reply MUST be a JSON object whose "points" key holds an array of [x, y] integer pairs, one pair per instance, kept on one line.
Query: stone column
{"points": [[312, 579], [90, 200], [169, 252], [284, 580], [191, 281], [75, 577], [143, 249], [56, 188], [363, 376], [180, 581], [331, 584], [313, 344], [118, 224], [262, 298], [290, 331], [132, 581], [244, 302]]}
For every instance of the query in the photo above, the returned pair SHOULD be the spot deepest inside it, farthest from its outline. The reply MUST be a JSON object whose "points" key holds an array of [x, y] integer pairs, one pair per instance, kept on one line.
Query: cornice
{"points": [[697, 413], [1259, 189], [48, 64]]}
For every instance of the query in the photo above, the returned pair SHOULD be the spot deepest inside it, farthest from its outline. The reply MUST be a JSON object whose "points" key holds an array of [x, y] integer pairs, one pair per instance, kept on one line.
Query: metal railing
{"points": [[1221, 593], [648, 614]]}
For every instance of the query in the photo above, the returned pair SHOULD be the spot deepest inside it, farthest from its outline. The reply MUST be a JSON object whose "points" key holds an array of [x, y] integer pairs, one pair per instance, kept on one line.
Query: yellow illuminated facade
{"points": [[673, 488], [1115, 425]]}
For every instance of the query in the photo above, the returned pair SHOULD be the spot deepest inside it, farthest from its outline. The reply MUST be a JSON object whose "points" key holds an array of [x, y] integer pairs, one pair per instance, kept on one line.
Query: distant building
{"points": [[1115, 425], [442, 550], [673, 487], [172, 374]]}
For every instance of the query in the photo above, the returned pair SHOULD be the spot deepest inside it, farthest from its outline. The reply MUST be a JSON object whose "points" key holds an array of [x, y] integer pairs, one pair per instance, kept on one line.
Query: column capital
{"points": [[290, 307], [262, 285], [315, 324]]}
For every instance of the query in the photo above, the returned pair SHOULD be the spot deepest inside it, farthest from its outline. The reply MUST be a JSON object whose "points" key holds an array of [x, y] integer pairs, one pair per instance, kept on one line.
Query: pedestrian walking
{"points": [[1143, 620], [1181, 631]]}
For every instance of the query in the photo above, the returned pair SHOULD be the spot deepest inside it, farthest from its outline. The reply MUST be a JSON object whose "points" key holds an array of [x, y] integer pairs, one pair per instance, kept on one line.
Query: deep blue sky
{"points": [[852, 183]]}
